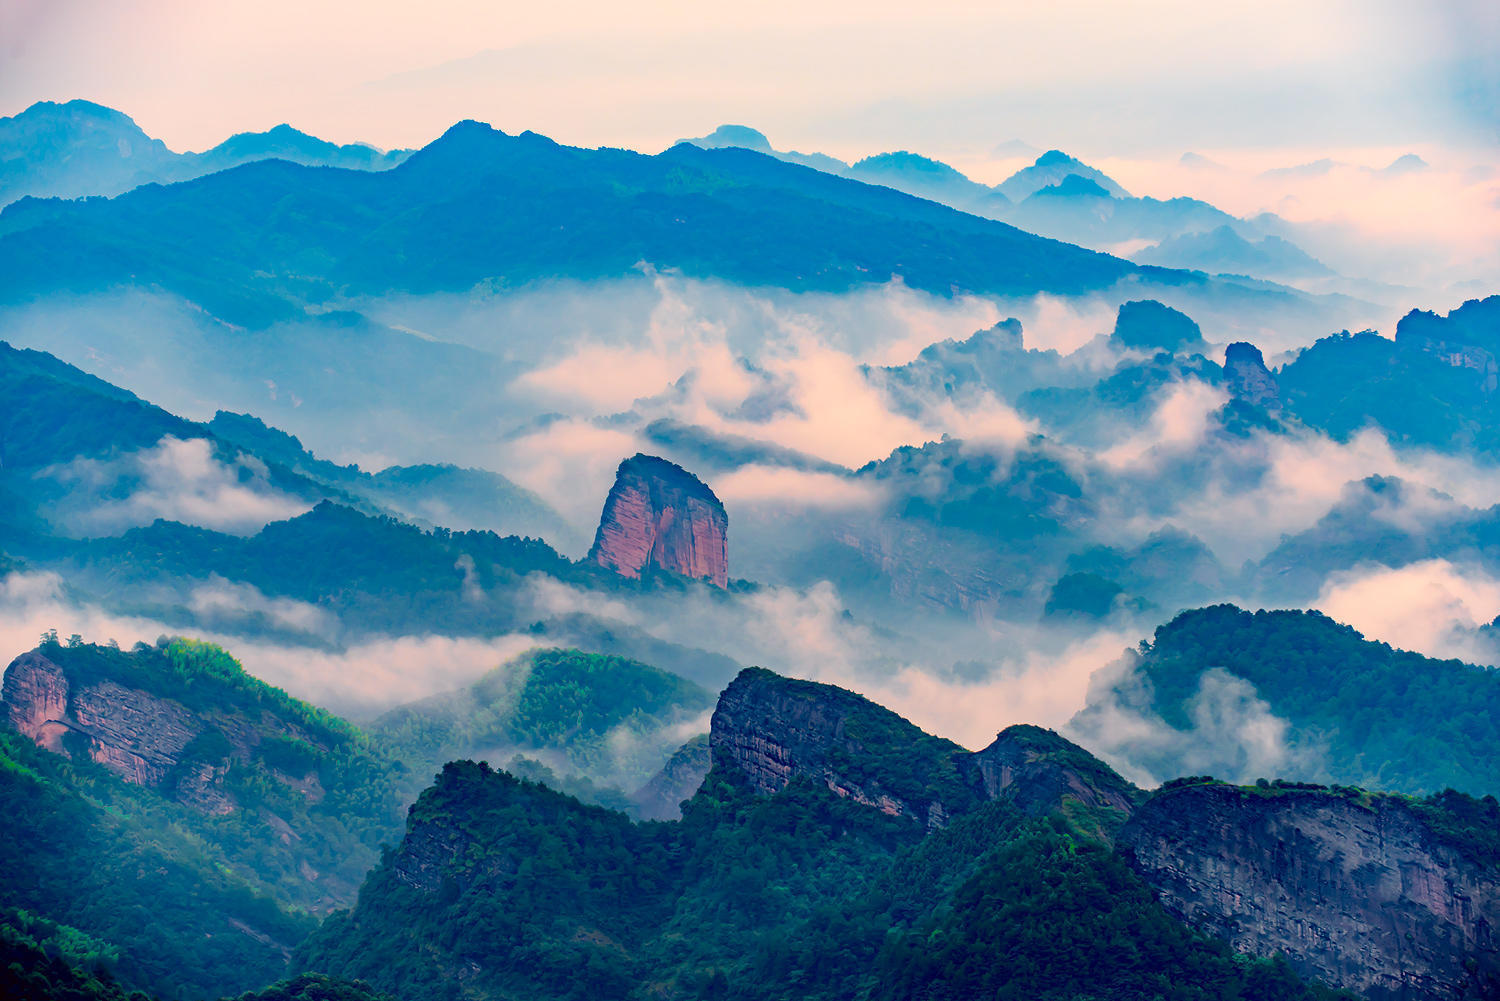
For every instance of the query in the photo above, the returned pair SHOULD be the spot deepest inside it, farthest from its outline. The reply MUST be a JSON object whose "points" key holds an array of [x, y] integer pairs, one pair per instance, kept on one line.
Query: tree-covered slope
{"points": [[610, 720], [504, 889], [1359, 712], [480, 206], [186, 815], [1434, 385]]}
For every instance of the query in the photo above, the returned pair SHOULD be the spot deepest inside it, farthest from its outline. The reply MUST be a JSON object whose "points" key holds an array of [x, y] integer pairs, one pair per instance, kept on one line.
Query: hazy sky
{"points": [[847, 76]]}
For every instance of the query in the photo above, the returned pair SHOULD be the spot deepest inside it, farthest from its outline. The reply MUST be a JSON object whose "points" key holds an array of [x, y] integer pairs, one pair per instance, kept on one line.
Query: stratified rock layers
{"points": [[1355, 890], [660, 516]]}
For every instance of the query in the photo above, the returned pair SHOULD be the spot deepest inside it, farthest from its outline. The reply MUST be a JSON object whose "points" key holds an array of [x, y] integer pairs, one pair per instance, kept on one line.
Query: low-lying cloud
{"points": [[176, 479], [1432, 607]]}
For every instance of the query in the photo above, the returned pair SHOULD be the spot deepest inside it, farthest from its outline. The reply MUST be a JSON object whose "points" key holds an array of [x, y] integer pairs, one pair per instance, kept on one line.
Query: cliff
{"points": [[660, 516], [144, 738], [1248, 378], [1148, 325], [1467, 338], [183, 719], [775, 729], [1042, 773], [1355, 889], [661, 797]]}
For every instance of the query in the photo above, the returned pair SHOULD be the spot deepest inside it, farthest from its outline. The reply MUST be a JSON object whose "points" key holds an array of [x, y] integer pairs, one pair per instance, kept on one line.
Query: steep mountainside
{"points": [[1434, 385], [1357, 712], [1356, 890], [186, 722], [179, 813], [802, 877], [660, 517]]}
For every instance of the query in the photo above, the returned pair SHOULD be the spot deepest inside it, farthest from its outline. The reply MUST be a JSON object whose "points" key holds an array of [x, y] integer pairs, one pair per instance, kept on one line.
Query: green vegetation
{"points": [[1406, 387], [135, 876], [1050, 919], [1083, 594], [376, 573], [607, 717], [480, 208], [1372, 716], [44, 961], [180, 900], [315, 987], [504, 889]]}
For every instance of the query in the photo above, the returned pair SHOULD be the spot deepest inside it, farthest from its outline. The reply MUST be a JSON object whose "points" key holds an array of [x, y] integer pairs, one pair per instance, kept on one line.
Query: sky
{"points": [[848, 77]]}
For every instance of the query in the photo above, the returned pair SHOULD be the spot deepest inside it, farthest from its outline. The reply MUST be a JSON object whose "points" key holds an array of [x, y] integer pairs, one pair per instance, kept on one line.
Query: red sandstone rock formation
{"points": [[660, 516]]}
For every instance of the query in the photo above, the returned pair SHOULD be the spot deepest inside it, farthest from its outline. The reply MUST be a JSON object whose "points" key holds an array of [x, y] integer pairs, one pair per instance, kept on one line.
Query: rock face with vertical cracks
{"points": [[145, 738], [1249, 379], [1356, 890], [659, 516], [774, 730]]}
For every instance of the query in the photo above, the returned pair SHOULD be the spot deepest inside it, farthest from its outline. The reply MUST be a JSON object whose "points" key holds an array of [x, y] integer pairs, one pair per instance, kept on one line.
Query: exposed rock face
{"points": [[775, 729], [1357, 893], [135, 735], [143, 738], [1249, 379], [1040, 772], [661, 798], [1147, 325], [1468, 337], [658, 515], [36, 700]]}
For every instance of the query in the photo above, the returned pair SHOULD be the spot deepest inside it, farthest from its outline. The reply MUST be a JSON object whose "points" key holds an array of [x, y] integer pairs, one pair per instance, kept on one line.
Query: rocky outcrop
{"points": [[1355, 890], [773, 730], [1148, 325], [1042, 773], [135, 735], [146, 739], [661, 797], [1248, 378], [659, 516], [1468, 337]]}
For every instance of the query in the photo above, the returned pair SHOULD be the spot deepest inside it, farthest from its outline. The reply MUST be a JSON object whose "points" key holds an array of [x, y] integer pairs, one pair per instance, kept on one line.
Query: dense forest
{"points": [[803, 895], [1365, 713]]}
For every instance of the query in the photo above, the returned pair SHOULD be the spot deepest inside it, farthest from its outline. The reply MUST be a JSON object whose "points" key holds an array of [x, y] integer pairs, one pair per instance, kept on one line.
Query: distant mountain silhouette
{"points": [[928, 178], [1053, 167], [744, 137], [80, 148], [1223, 251], [479, 206]]}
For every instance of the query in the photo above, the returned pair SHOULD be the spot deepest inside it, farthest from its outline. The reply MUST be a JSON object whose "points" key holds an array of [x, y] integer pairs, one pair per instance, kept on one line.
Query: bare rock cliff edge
{"points": [[659, 516]]}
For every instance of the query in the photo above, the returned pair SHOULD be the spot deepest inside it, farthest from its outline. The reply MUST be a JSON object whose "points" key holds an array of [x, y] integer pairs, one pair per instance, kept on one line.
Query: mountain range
{"points": [[78, 149]]}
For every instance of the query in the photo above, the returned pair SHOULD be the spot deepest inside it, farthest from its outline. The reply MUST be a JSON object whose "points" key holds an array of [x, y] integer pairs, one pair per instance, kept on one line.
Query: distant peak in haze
{"points": [[1056, 157], [1406, 163], [1014, 147], [734, 135], [1054, 167], [78, 148], [744, 137], [1074, 186], [905, 161], [1197, 161]]}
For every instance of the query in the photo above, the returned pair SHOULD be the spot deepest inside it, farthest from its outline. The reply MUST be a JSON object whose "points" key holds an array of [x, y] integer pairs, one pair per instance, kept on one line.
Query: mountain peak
{"points": [[1057, 158], [734, 135], [660, 516], [1074, 186], [1054, 167]]}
